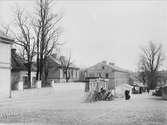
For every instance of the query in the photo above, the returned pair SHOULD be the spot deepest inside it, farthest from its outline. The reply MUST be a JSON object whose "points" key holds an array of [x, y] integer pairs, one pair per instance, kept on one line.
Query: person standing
{"points": [[127, 96]]}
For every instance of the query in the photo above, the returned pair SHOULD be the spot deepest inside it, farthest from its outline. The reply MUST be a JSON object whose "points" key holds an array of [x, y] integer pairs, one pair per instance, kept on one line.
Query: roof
{"points": [[18, 63], [124, 85], [118, 68], [139, 84], [97, 79], [55, 60], [58, 62], [112, 66], [5, 39]]}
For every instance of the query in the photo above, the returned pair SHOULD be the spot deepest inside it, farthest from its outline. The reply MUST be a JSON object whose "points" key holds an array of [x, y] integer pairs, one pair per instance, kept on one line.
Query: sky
{"points": [[94, 31]]}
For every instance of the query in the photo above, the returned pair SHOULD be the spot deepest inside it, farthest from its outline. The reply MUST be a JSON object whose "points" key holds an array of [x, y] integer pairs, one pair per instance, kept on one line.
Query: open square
{"points": [[64, 105]]}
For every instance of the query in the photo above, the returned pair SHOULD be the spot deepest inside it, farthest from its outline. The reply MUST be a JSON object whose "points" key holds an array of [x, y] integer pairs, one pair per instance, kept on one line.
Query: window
{"points": [[102, 67], [99, 74], [76, 75], [107, 75]]}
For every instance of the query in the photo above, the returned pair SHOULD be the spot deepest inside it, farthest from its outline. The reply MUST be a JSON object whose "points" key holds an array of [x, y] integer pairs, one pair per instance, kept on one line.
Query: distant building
{"points": [[162, 78], [162, 83], [5, 61], [116, 75], [19, 72], [56, 71]]}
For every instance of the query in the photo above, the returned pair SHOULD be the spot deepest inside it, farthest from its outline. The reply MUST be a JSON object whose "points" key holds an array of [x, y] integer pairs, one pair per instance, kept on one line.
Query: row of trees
{"points": [[37, 36]]}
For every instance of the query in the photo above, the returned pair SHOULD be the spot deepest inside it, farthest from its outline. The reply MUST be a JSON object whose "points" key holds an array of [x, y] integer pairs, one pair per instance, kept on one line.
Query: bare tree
{"points": [[37, 34], [141, 74], [65, 64], [47, 35], [149, 64], [24, 39], [142, 77]]}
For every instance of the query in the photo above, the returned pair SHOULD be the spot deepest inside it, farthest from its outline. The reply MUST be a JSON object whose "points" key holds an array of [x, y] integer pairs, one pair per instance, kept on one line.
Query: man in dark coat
{"points": [[127, 96]]}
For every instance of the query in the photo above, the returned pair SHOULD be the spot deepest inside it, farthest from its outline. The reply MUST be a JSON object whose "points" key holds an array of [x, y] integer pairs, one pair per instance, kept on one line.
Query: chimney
{"points": [[104, 62]]}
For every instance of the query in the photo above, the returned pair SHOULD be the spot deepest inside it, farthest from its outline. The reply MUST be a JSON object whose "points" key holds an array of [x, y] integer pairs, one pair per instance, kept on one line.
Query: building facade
{"points": [[56, 71], [5, 65], [110, 71], [118, 77]]}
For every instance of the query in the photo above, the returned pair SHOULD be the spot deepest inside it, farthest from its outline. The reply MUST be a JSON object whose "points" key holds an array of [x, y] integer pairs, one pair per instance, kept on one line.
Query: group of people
{"points": [[103, 94]]}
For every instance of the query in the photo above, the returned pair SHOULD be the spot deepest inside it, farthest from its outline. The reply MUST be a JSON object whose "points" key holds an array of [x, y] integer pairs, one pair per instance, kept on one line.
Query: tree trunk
{"points": [[29, 74], [45, 72], [152, 80], [66, 75], [38, 69], [38, 64], [41, 66]]}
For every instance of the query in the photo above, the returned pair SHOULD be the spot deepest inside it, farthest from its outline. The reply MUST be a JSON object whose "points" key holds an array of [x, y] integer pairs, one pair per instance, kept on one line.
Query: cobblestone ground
{"points": [[64, 105]]}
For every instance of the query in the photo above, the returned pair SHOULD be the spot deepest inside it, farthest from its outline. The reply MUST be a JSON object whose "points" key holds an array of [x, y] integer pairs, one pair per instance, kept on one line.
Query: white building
{"points": [[5, 65]]}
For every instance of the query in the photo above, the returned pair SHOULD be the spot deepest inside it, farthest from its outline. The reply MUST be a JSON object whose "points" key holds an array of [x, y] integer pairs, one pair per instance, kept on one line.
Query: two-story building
{"points": [[118, 77]]}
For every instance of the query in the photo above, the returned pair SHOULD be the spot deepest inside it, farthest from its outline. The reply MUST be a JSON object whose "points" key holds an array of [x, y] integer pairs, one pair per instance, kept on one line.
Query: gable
{"points": [[17, 62], [52, 63], [100, 67]]}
